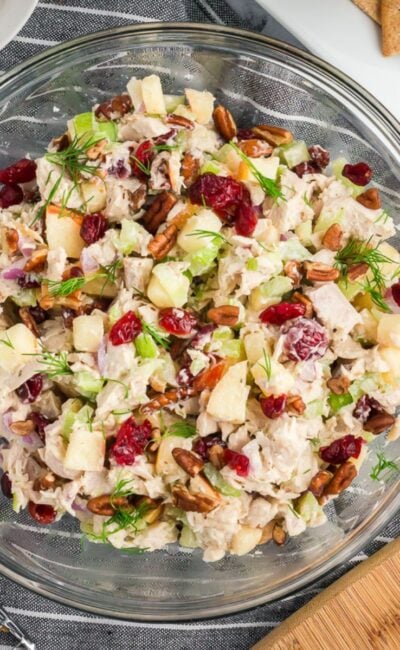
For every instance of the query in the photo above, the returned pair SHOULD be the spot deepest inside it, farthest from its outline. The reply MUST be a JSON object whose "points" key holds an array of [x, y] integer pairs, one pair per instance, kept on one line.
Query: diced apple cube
{"points": [[391, 356], [100, 287], [63, 230], [165, 464], [86, 450], [245, 539], [204, 220], [134, 88], [152, 93], [88, 331], [201, 103], [254, 344], [389, 330], [94, 196], [168, 287], [18, 341], [228, 399]]}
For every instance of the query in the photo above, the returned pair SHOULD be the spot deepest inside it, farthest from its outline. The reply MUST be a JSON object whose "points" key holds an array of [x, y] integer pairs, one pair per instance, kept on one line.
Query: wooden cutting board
{"points": [[360, 611]]}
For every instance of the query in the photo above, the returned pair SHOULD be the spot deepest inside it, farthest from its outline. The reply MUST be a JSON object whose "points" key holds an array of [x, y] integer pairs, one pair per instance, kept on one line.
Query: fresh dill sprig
{"points": [[117, 381], [293, 511], [122, 519], [121, 489], [266, 366], [143, 168], [269, 186], [55, 363], [376, 295], [180, 429], [6, 341], [160, 337], [382, 465], [73, 160], [110, 271], [49, 199], [216, 237], [383, 217], [164, 147], [306, 200], [58, 288], [314, 441]]}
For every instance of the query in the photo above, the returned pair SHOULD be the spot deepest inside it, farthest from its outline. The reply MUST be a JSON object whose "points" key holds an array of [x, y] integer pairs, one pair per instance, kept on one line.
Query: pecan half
{"points": [[189, 168], [292, 270], [165, 399], [106, 505], [45, 482], [193, 502], [339, 385], [342, 478], [210, 377], [255, 148], [61, 142], [11, 236], [295, 405], [96, 149], [224, 122], [379, 422], [36, 260], [179, 120], [319, 482], [278, 534], [114, 108], [370, 199], [224, 315], [332, 239], [267, 532], [305, 300], [274, 135], [158, 211], [319, 272], [356, 271], [216, 456], [28, 320], [22, 427], [189, 462], [137, 198], [163, 242]]}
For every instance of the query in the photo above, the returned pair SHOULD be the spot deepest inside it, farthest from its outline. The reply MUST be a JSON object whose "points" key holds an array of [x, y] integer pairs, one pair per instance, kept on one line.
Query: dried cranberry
{"points": [[131, 440], [307, 167], [239, 462], [273, 406], [246, 219], [319, 155], [93, 227], [38, 314], [396, 293], [76, 272], [203, 336], [359, 174], [365, 407], [305, 339], [29, 281], [142, 158], [202, 446], [6, 485], [30, 390], [279, 314], [41, 512], [221, 193], [40, 421], [185, 377], [245, 134], [10, 195], [178, 322], [22, 171], [342, 449], [126, 329]]}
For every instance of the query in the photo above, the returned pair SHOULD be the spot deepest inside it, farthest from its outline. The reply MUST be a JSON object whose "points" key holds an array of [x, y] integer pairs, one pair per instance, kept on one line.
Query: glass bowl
{"points": [[261, 80]]}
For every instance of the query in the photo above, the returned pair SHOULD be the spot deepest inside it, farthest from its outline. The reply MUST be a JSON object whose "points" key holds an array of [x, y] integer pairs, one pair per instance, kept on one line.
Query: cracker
{"points": [[390, 14], [370, 7]]}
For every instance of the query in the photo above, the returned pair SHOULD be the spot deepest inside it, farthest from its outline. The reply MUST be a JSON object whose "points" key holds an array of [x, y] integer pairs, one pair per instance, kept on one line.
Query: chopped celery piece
{"points": [[202, 261], [81, 124], [304, 232], [294, 153], [145, 346], [292, 249], [25, 298], [336, 402], [87, 384], [130, 236], [307, 507], [314, 409], [349, 289], [222, 333], [337, 167], [233, 349], [252, 264], [210, 167], [360, 387], [173, 101], [187, 538], [276, 287], [114, 313], [107, 130], [326, 221], [217, 480], [70, 416]]}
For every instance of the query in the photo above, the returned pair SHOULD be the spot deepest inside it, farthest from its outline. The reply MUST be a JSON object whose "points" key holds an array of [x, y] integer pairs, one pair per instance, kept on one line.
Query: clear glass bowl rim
{"points": [[378, 519]]}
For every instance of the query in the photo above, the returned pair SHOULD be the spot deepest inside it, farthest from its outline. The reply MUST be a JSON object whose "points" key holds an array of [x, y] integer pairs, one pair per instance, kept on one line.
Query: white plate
{"points": [[13, 16], [340, 33]]}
